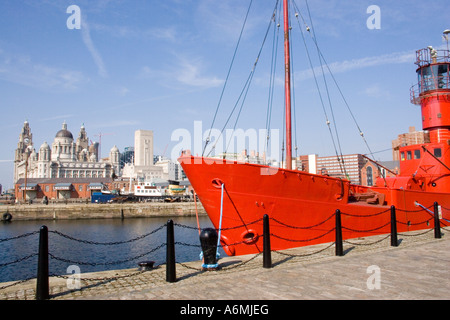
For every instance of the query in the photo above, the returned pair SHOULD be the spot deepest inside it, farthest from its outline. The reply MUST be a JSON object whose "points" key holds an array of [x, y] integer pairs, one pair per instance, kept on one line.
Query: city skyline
{"points": [[161, 66]]}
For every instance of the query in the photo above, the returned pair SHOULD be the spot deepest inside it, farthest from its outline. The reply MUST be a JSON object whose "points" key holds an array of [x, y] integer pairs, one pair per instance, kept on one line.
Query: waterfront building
{"points": [[66, 158], [60, 188], [370, 171], [143, 148], [142, 165], [127, 156], [412, 137], [354, 167], [244, 156], [346, 166]]}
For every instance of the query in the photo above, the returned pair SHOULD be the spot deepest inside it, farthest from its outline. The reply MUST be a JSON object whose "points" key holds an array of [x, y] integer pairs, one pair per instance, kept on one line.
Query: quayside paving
{"points": [[369, 270]]}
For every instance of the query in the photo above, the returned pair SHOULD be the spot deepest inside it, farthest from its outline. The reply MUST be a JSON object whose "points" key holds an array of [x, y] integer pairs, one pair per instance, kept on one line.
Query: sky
{"points": [[163, 65]]}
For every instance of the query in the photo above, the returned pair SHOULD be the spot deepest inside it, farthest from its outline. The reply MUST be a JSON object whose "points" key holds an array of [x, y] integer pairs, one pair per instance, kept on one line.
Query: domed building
{"points": [[63, 146], [66, 162]]}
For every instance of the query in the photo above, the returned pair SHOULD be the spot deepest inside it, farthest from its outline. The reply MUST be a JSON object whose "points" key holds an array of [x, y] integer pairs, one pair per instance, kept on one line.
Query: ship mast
{"points": [[287, 84]]}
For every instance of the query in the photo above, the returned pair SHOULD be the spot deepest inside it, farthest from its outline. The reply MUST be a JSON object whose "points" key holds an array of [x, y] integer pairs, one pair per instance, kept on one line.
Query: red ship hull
{"points": [[301, 206]]}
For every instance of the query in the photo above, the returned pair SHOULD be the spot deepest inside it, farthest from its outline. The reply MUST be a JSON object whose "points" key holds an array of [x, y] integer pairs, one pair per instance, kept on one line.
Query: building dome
{"points": [[44, 146], [64, 133]]}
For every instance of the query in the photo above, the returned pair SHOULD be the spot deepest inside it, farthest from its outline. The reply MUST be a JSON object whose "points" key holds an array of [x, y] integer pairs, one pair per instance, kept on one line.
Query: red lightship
{"points": [[301, 205]]}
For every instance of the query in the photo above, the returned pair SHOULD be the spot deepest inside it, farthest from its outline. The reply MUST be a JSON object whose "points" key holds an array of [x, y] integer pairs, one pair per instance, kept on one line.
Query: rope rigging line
{"points": [[319, 92], [221, 217], [246, 87], [322, 59], [326, 87], [253, 72], [340, 91], [361, 133], [272, 79], [228, 75], [339, 155]]}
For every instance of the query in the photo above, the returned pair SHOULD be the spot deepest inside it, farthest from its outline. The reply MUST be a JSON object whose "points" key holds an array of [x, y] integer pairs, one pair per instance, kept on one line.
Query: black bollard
{"points": [[170, 254], [208, 241], [267, 255], [42, 284], [437, 223], [394, 240], [146, 265], [338, 244]]}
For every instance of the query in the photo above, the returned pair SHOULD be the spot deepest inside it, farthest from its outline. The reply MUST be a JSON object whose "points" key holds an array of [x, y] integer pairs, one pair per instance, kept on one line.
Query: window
{"points": [[437, 152], [416, 154], [369, 176], [402, 156], [47, 188], [80, 187], [408, 155]]}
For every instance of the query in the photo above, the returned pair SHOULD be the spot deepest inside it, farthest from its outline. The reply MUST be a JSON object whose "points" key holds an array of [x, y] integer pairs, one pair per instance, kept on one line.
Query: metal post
{"points": [[42, 285], [437, 224], [394, 240], [208, 242], [267, 257], [338, 244], [170, 254]]}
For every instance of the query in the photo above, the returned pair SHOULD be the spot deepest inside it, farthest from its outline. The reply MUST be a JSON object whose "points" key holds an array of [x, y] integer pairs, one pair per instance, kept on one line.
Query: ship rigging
{"points": [[236, 195]]}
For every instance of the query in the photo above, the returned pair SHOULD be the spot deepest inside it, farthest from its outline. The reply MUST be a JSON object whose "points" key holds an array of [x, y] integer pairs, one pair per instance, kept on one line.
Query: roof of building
{"points": [[63, 133], [64, 180], [390, 164]]}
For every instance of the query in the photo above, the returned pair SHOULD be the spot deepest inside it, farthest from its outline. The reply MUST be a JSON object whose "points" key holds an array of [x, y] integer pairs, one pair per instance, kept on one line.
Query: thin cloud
{"points": [[57, 117], [224, 18], [349, 65], [115, 124], [186, 72], [86, 35], [23, 70], [168, 33], [190, 73]]}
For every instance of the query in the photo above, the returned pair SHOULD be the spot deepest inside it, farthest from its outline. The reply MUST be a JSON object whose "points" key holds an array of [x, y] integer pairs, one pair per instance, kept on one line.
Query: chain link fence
{"points": [[441, 226]]}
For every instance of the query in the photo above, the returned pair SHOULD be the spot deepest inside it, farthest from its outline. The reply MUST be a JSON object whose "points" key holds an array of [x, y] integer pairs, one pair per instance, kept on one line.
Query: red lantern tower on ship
{"points": [[431, 162]]}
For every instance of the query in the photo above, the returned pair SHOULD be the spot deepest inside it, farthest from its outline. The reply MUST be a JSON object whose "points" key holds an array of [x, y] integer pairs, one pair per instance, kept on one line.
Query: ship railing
{"points": [[424, 56], [428, 85]]}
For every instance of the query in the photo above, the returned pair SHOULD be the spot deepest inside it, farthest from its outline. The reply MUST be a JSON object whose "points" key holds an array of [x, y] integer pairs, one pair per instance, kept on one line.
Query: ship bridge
{"points": [[426, 167], [432, 92]]}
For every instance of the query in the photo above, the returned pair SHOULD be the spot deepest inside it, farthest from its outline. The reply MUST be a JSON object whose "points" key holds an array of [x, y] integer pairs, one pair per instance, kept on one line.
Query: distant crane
{"points": [[100, 142], [165, 149]]}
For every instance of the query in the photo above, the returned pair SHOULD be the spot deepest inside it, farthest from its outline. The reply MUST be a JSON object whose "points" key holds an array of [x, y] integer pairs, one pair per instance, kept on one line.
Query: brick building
{"points": [[60, 188], [370, 171], [353, 167], [406, 139]]}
